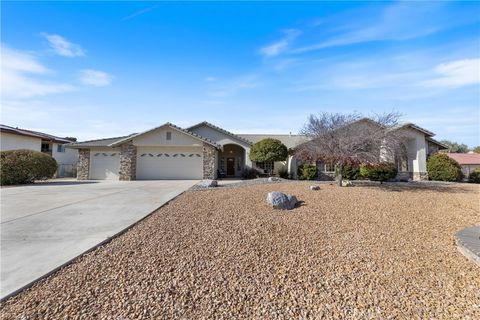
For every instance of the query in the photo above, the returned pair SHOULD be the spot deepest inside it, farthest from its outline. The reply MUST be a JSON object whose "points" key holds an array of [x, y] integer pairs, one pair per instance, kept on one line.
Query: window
{"points": [[222, 164], [267, 166], [325, 167], [169, 135], [45, 147], [60, 148]]}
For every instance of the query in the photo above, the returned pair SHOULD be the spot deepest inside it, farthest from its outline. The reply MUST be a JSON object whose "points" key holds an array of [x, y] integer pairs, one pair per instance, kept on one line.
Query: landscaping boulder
{"points": [[273, 179], [208, 183], [314, 187], [281, 201], [347, 183]]}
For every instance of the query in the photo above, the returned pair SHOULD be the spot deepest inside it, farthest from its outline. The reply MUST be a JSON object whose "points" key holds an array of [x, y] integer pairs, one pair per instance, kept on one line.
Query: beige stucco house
{"points": [[206, 151], [14, 139]]}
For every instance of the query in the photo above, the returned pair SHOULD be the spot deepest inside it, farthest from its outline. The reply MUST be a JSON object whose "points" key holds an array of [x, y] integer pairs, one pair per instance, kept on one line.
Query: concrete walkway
{"points": [[468, 243], [43, 226]]}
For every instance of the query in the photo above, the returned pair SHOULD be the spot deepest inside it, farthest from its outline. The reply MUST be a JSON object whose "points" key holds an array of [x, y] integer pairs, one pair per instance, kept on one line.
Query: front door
{"points": [[230, 166]]}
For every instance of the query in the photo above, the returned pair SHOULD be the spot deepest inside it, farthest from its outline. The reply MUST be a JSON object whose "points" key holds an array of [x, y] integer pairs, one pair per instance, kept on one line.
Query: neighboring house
{"points": [[468, 161], [203, 150], [14, 139]]}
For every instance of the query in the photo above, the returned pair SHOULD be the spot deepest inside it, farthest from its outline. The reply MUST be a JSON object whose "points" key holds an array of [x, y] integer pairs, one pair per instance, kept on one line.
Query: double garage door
{"points": [[169, 163], [152, 163]]}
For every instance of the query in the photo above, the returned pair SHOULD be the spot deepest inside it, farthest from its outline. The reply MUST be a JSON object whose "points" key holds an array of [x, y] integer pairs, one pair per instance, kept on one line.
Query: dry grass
{"points": [[357, 253]]}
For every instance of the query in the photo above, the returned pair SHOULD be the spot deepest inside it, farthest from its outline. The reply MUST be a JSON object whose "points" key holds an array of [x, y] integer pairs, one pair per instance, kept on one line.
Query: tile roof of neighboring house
{"points": [[208, 124], [289, 140], [465, 158], [35, 134], [97, 143]]}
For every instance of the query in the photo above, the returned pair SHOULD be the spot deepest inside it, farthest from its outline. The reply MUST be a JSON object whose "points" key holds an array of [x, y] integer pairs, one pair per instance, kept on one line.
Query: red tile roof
{"points": [[465, 158]]}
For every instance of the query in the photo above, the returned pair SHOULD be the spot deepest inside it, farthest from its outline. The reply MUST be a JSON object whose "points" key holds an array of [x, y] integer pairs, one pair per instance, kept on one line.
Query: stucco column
{"points": [[128, 162], [83, 164], [209, 160]]}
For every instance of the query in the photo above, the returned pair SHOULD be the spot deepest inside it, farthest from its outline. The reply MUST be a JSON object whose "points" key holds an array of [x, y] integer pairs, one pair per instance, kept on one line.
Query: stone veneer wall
{"points": [[83, 164], [128, 162], [209, 162]]}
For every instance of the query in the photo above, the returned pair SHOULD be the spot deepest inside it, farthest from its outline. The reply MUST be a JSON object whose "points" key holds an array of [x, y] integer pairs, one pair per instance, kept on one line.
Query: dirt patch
{"points": [[361, 252]]}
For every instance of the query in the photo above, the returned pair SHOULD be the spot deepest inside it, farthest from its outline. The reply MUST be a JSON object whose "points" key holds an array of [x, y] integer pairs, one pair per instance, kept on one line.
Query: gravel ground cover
{"points": [[370, 252], [242, 183]]}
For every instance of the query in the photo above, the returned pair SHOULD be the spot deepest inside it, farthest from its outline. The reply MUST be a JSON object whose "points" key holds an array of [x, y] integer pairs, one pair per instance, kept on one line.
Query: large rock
{"points": [[347, 183], [273, 179], [281, 201], [208, 183]]}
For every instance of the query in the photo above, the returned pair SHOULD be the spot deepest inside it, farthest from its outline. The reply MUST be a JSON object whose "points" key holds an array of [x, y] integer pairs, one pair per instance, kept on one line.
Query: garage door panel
{"points": [[169, 163], [104, 164]]}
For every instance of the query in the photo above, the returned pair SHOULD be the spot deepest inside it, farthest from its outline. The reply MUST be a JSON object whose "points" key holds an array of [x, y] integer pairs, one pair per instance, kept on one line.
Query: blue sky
{"points": [[100, 69]]}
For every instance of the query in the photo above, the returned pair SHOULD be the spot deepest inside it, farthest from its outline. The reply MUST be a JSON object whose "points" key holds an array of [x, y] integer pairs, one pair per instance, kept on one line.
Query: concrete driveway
{"points": [[45, 225]]}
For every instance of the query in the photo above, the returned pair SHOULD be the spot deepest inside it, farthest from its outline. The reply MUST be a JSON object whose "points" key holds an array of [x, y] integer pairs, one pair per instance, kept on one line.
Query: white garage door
{"points": [[169, 163], [104, 164]]}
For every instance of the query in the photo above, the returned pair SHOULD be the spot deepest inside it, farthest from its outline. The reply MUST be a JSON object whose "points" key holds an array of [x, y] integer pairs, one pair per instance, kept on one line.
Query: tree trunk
{"points": [[340, 177]]}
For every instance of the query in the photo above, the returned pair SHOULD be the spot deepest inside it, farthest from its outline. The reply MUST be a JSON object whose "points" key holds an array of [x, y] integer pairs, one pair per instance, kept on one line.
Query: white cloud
{"points": [[19, 76], [456, 74], [210, 79], [95, 78], [63, 47], [399, 21], [280, 46], [234, 86]]}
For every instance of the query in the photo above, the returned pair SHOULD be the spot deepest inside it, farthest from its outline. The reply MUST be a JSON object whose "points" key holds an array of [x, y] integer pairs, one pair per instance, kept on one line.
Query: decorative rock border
{"points": [[468, 243]]}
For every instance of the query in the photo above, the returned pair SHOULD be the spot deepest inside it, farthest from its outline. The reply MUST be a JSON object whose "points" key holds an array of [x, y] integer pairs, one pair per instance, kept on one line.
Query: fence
{"points": [[67, 170]]}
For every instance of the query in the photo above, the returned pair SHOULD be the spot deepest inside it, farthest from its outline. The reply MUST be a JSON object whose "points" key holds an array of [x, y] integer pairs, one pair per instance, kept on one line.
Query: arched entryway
{"points": [[231, 161]]}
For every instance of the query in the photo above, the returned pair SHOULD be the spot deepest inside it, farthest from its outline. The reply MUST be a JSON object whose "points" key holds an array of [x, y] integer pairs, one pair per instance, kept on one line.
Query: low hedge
{"points": [[379, 172], [350, 171], [474, 177], [25, 166], [307, 172], [441, 167]]}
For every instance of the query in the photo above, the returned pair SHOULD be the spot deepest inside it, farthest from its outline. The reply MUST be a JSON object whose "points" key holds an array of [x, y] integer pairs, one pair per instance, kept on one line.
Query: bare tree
{"points": [[343, 139]]}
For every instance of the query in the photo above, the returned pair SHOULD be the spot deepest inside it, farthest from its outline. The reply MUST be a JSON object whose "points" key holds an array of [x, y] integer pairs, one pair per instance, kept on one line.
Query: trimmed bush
{"points": [[25, 166], [307, 172], [283, 173], [350, 171], [474, 177], [441, 167], [268, 150], [249, 173], [378, 172]]}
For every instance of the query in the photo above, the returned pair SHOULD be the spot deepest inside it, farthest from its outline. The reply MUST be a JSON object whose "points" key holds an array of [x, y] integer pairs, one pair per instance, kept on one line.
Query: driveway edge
{"points": [[468, 243], [107, 240]]}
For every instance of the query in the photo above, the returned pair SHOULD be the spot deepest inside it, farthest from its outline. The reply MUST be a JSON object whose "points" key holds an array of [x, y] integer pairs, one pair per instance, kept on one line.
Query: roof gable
{"points": [[168, 124], [218, 129]]}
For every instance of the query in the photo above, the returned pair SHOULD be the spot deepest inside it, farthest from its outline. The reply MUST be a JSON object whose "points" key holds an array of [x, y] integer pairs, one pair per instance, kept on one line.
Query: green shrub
{"points": [[350, 171], [25, 166], [378, 172], [249, 173], [441, 167], [474, 177], [283, 173], [307, 172], [268, 150]]}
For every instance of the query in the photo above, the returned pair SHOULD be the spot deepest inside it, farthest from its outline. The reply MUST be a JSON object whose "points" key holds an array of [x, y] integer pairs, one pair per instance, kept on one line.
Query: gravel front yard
{"points": [[355, 253]]}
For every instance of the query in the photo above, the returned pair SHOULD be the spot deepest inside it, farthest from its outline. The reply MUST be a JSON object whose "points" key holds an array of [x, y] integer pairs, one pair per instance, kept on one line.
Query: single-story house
{"points": [[14, 139], [203, 151], [468, 161]]}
